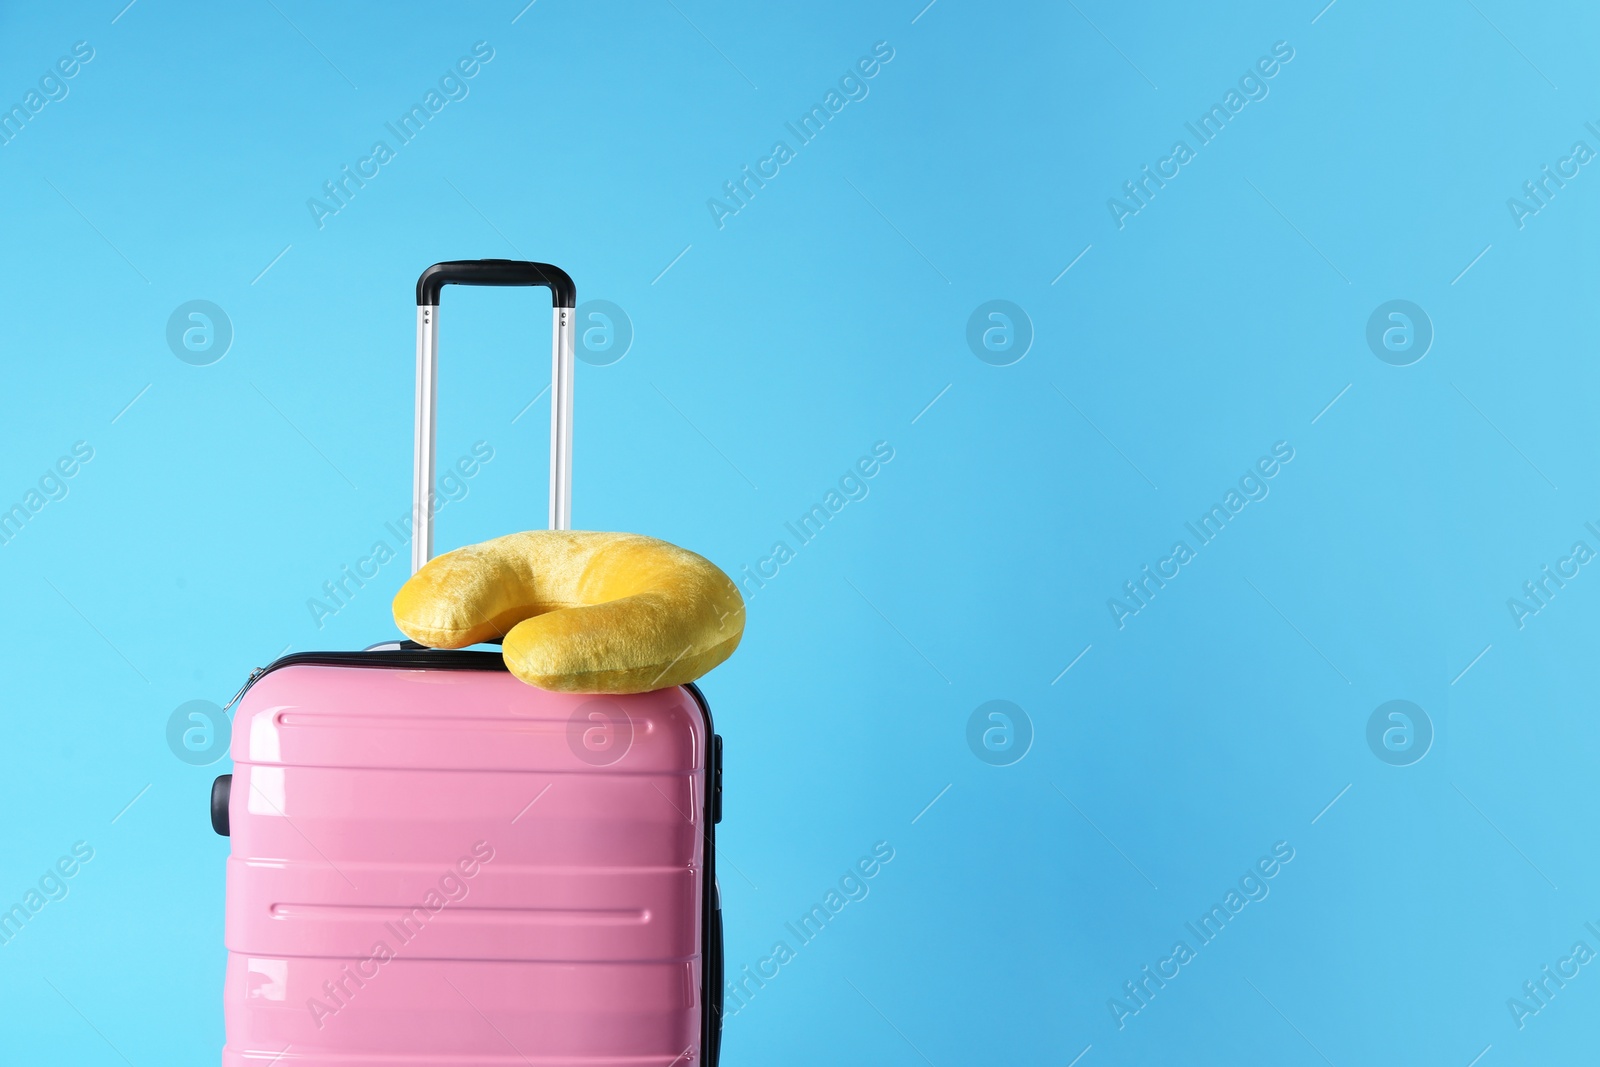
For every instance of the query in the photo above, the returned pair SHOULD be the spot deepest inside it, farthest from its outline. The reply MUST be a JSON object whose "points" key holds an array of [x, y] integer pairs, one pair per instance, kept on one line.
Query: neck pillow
{"points": [[577, 611]]}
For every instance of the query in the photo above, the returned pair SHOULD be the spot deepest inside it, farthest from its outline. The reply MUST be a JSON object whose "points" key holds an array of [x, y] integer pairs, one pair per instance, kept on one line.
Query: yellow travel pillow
{"points": [[579, 612]]}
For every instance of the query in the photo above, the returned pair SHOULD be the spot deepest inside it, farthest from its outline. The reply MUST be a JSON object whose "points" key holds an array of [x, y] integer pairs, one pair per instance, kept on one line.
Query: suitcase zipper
{"points": [[396, 659], [457, 659], [248, 682]]}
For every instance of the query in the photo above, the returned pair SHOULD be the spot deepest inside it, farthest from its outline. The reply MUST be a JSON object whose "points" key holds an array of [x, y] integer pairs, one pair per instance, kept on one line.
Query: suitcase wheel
{"points": [[220, 789]]}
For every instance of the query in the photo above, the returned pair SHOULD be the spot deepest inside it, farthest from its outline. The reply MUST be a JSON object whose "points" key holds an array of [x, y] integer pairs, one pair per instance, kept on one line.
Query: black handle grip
{"points": [[495, 272], [220, 791]]}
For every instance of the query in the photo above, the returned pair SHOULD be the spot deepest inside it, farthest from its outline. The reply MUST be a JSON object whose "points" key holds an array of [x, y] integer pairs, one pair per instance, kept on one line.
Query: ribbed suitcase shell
{"points": [[570, 898]]}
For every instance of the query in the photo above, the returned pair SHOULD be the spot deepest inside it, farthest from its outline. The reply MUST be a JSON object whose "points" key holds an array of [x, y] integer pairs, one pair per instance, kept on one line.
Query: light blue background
{"points": [[822, 318]]}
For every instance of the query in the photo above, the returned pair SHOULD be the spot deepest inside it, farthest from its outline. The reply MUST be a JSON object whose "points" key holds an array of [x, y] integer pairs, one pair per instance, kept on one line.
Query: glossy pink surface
{"points": [[436, 868]]}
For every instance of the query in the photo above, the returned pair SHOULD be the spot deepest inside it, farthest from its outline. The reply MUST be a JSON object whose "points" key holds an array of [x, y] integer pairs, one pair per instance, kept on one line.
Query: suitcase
{"points": [[435, 865]]}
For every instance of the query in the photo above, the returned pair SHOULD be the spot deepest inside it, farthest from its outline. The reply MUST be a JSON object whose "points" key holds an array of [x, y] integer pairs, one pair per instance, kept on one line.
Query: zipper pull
{"points": [[248, 682]]}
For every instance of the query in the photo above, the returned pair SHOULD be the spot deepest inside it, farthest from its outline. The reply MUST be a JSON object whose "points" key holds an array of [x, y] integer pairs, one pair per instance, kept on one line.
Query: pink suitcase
{"points": [[436, 865]]}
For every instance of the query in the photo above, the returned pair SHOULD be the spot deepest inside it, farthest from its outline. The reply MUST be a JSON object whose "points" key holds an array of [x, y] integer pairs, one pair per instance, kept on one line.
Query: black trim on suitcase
{"points": [[711, 946], [408, 655]]}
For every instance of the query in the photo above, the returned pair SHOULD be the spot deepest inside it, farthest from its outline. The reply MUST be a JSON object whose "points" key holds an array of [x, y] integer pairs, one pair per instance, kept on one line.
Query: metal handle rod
{"points": [[422, 465], [562, 366], [423, 498]]}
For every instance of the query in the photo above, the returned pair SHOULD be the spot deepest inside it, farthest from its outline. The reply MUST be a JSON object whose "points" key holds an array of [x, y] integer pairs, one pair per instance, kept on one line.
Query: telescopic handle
{"points": [[491, 272]]}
